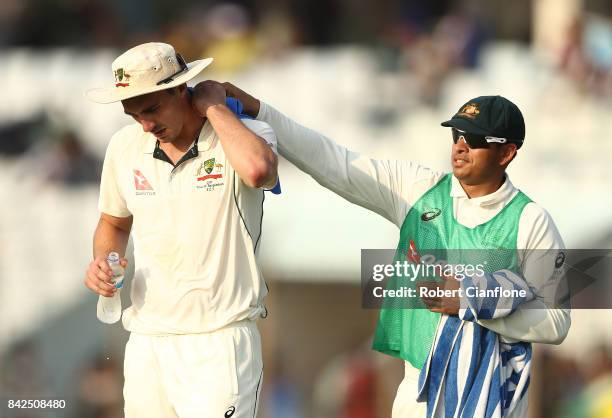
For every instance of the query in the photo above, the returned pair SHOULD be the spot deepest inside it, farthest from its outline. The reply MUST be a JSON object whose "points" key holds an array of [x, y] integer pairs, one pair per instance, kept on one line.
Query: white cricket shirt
{"points": [[196, 230]]}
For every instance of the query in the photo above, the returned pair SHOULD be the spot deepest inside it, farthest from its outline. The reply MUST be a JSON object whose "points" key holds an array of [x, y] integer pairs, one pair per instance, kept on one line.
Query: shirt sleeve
{"points": [[111, 200], [387, 187], [539, 320], [474, 307], [264, 131]]}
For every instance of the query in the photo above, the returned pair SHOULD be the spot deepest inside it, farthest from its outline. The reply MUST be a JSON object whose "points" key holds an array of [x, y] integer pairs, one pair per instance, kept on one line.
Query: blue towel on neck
{"points": [[236, 106]]}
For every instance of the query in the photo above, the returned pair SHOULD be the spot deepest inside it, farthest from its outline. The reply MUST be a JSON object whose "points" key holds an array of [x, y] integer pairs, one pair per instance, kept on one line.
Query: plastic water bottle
{"points": [[109, 308]]}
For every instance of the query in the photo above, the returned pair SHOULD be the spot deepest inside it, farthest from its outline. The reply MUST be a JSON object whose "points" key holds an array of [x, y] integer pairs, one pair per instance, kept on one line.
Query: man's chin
{"points": [[460, 173], [165, 139]]}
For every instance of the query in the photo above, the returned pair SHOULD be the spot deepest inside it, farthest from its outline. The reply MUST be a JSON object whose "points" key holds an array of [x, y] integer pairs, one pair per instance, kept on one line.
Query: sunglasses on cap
{"points": [[476, 141]]}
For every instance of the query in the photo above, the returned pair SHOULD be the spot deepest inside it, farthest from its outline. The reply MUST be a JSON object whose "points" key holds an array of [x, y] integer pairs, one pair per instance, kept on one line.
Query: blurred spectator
{"points": [[228, 33], [100, 392], [17, 137], [347, 386], [21, 373], [317, 21], [70, 163], [360, 401], [281, 395], [82, 23], [187, 32], [276, 32], [231, 37], [453, 42], [460, 36], [10, 12], [573, 60], [47, 154], [577, 389], [586, 57]]}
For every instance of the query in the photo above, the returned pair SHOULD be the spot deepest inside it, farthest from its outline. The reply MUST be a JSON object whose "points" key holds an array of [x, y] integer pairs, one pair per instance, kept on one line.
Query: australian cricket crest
{"points": [[209, 175], [122, 79], [470, 111]]}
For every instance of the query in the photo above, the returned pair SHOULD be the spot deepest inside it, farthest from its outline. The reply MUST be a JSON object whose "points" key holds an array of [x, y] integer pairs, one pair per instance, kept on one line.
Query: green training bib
{"points": [[405, 327]]}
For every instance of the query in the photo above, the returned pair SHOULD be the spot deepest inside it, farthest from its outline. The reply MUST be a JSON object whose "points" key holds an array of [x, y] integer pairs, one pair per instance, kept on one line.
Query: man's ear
{"points": [[507, 154], [182, 90]]}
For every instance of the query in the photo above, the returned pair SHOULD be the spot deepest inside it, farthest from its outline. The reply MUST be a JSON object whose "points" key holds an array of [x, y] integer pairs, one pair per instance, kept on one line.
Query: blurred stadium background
{"points": [[375, 76]]}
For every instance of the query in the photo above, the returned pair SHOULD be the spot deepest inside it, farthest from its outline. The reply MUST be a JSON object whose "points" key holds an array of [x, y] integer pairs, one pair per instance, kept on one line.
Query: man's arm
{"points": [[251, 156], [115, 222], [533, 322], [112, 234], [386, 187], [475, 297], [539, 320]]}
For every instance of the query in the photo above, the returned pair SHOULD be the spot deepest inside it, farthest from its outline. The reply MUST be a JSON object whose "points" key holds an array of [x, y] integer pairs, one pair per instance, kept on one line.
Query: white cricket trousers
{"points": [[209, 375], [406, 406]]}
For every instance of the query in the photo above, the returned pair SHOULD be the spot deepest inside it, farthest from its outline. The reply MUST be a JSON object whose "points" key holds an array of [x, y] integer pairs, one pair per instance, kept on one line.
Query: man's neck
{"points": [[482, 189], [189, 134]]}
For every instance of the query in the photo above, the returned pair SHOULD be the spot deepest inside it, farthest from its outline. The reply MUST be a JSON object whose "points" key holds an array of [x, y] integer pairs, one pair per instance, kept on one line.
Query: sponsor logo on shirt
{"points": [[230, 412], [207, 168], [210, 173], [141, 184], [430, 214]]}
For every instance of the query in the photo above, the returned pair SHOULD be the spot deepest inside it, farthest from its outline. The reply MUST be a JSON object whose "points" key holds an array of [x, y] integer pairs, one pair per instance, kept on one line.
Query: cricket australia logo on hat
{"points": [[470, 111], [210, 174], [121, 78]]}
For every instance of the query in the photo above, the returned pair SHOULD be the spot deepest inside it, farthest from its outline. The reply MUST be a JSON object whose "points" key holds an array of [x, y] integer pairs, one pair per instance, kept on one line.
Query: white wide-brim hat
{"points": [[147, 68]]}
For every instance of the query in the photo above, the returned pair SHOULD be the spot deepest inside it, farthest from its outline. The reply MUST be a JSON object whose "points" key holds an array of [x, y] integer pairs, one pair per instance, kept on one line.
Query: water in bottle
{"points": [[109, 308]]}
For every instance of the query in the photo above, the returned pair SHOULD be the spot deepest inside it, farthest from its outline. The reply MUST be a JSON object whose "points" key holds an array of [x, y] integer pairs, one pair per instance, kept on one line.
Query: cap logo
{"points": [[120, 76], [470, 111]]}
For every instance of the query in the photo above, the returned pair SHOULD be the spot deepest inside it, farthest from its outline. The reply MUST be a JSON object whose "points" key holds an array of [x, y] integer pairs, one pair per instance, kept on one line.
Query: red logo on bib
{"points": [[412, 254]]}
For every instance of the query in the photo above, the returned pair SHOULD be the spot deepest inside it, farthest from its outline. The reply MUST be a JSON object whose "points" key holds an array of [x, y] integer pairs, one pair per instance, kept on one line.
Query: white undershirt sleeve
{"points": [[537, 320], [264, 131], [386, 187]]}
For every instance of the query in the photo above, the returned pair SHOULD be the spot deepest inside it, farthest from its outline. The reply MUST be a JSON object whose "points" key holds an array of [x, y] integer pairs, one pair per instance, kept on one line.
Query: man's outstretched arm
{"points": [[250, 155], [387, 187]]}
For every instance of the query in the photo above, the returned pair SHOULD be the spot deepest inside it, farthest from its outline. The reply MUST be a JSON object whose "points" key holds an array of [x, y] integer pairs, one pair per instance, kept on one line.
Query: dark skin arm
{"points": [[250, 104], [443, 305]]}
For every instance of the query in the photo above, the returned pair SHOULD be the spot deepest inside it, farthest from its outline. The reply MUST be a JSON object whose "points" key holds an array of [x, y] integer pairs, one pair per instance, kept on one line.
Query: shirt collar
{"points": [[498, 196], [205, 139]]}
